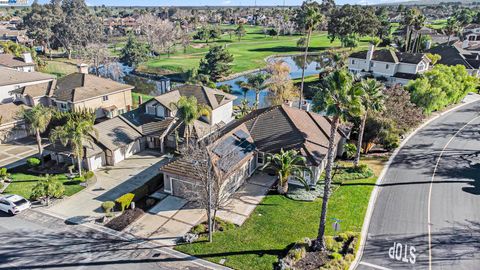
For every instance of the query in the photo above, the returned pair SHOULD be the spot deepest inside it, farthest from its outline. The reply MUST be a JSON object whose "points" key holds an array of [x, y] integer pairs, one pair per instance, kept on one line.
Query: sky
{"points": [[220, 2]]}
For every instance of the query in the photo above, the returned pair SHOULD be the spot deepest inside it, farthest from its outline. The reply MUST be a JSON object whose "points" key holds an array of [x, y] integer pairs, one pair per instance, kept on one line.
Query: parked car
{"points": [[14, 204]]}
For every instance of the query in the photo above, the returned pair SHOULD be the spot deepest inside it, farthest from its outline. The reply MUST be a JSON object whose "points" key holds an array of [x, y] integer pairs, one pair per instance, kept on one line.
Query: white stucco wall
{"points": [[357, 64], [407, 68], [5, 97], [223, 113]]}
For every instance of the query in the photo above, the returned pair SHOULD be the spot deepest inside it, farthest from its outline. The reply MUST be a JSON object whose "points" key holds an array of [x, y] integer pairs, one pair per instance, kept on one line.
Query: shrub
{"points": [[298, 193], [391, 141], [336, 256], [331, 244], [199, 229], [33, 162], [4, 174], [108, 206], [125, 200], [352, 173], [223, 225], [350, 150], [88, 175], [48, 188]]}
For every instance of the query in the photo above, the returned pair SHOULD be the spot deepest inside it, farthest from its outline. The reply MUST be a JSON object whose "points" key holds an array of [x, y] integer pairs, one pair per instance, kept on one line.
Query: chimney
{"points": [[288, 103], [428, 44], [465, 44], [371, 49], [27, 57], [140, 99], [82, 68]]}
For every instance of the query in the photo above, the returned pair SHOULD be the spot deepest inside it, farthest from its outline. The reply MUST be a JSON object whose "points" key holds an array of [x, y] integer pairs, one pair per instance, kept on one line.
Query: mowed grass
{"points": [[22, 184], [249, 53], [278, 222], [59, 67], [135, 97]]}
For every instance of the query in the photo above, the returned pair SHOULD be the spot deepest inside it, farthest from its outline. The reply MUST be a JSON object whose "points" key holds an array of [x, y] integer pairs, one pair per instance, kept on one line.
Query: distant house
{"points": [[12, 126], [13, 82], [17, 36], [453, 55], [82, 90], [391, 66], [243, 145], [24, 63]]}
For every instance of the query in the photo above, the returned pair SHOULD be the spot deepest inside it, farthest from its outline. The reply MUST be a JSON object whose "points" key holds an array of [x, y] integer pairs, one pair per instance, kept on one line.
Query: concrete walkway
{"points": [[112, 182], [173, 217], [14, 153]]}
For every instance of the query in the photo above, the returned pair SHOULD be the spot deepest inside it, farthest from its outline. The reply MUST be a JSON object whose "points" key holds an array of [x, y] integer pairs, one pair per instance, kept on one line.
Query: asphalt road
{"points": [[36, 241], [427, 213]]}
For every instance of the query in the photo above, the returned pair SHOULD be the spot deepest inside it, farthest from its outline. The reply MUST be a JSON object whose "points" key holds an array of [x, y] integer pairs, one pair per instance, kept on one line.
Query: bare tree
{"points": [[210, 190], [148, 26], [97, 55]]}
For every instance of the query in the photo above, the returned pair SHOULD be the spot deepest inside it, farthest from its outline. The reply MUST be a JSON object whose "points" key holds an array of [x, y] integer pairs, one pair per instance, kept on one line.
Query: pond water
{"points": [[315, 64]]}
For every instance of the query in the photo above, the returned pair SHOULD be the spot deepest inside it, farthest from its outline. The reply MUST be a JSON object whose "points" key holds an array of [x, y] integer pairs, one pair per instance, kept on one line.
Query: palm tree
{"points": [[336, 98], [312, 18], [257, 82], [413, 20], [188, 110], [287, 164], [75, 132], [243, 109], [372, 100], [453, 27], [48, 187], [37, 119]]}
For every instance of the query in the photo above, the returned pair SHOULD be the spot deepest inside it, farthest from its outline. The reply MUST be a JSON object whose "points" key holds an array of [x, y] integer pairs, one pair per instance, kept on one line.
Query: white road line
{"points": [[374, 266], [429, 225]]}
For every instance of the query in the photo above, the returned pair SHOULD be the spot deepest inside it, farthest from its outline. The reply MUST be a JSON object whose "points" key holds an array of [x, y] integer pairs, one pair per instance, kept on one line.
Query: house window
{"points": [[151, 110], [353, 62], [63, 106], [387, 66], [260, 158], [372, 64], [105, 98], [121, 111]]}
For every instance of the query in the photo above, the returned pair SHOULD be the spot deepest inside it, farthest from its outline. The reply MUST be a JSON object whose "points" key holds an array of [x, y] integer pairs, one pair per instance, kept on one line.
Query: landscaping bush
{"points": [[107, 207], [88, 175], [299, 193], [336, 256], [33, 162], [125, 200], [350, 150], [47, 188], [4, 175], [362, 171], [222, 225], [199, 229], [126, 218], [391, 141]]}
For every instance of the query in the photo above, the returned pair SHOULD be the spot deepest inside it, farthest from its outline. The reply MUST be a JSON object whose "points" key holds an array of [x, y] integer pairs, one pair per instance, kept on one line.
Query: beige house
{"points": [[81, 90], [12, 127], [12, 81]]}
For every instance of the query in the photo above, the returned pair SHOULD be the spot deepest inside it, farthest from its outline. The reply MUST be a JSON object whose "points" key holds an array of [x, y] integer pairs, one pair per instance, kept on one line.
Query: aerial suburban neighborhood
{"points": [[240, 134]]}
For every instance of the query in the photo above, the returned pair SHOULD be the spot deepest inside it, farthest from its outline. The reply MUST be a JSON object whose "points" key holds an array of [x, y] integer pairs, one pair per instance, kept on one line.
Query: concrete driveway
{"points": [[173, 217], [111, 183], [16, 152]]}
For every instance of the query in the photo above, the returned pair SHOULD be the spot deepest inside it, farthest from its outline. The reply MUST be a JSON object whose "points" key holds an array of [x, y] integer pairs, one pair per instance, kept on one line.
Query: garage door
{"points": [[95, 162], [132, 149]]}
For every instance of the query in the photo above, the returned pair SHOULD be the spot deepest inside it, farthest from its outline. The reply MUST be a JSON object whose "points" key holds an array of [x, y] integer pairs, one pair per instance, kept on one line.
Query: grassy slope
{"points": [[59, 67], [23, 184], [249, 53], [279, 221]]}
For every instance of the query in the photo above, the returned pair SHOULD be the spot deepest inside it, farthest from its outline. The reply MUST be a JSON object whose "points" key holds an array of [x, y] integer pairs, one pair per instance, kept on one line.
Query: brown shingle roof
{"points": [[9, 112], [115, 133], [204, 95], [12, 61], [78, 87], [36, 90], [12, 77]]}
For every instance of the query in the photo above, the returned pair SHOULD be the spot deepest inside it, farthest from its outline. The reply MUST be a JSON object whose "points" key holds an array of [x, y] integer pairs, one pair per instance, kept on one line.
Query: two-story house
{"points": [[24, 63], [81, 90], [391, 66], [14, 82]]}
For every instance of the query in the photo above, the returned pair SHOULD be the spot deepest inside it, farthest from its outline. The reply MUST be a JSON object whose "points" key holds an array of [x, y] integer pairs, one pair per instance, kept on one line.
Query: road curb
{"points": [[375, 191]]}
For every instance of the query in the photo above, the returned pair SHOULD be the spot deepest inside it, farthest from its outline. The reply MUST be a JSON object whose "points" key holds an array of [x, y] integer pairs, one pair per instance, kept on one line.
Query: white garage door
{"points": [[95, 162], [127, 151]]}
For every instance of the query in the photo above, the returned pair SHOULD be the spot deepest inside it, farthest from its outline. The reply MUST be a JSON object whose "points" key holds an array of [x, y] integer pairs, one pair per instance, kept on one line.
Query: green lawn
{"points": [[59, 67], [438, 24], [278, 221], [23, 184], [135, 98], [249, 53]]}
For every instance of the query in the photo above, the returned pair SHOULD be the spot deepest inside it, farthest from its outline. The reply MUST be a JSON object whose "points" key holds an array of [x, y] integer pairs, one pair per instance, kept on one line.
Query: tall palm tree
{"points": [[188, 110], [413, 20], [287, 164], [312, 17], [75, 133], [453, 27], [37, 119], [372, 100], [336, 98], [257, 82]]}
